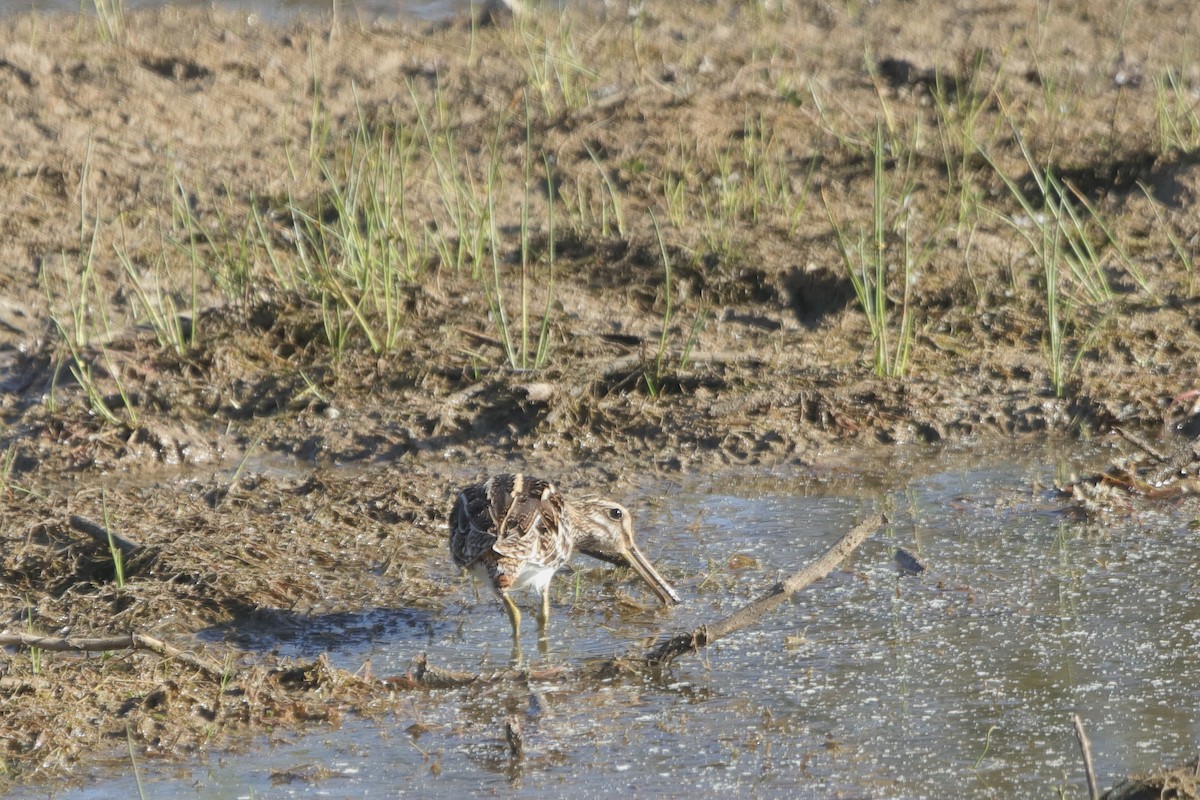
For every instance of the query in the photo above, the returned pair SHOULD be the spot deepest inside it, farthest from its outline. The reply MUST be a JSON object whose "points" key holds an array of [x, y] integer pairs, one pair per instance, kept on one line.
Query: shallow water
{"points": [[960, 681]]}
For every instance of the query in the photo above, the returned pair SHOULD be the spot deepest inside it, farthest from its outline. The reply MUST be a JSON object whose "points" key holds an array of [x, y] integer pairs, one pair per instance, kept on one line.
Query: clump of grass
{"points": [[770, 183], [959, 103], [118, 557], [221, 251], [1175, 113], [467, 205], [110, 19], [357, 249], [871, 265], [656, 369], [84, 321], [157, 303], [750, 184], [521, 351], [74, 331], [1074, 246], [1182, 253], [554, 69], [674, 183]]}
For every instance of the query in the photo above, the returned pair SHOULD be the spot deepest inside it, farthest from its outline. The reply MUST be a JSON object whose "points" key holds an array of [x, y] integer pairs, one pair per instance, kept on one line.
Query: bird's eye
{"points": [[614, 513]]}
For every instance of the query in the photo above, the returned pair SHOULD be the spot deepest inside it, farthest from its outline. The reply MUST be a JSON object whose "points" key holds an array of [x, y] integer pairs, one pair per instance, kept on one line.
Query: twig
{"points": [[129, 641], [634, 361], [670, 649], [13, 685], [423, 675], [481, 337], [514, 734], [102, 535], [1141, 444], [1085, 748]]}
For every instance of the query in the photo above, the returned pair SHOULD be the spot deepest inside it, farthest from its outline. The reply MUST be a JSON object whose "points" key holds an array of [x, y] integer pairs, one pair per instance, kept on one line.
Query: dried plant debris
{"points": [[1149, 471], [1179, 783], [273, 554]]}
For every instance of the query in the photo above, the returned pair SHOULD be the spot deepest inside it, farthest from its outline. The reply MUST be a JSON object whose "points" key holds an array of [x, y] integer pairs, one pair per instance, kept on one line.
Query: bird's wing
{"points": [[523, 511], [509, 515], [471, 530]]}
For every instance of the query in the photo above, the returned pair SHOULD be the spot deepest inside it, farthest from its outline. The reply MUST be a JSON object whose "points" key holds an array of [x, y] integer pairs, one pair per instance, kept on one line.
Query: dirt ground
{"points": [[687, 331]]}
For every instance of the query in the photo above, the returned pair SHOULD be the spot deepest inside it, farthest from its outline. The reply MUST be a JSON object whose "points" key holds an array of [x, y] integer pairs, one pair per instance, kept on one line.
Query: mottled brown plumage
{"points": [[516, 531]]}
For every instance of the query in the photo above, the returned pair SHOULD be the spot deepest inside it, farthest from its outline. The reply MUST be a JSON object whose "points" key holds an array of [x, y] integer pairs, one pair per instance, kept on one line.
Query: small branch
{"points": [[482, 337], [129, 641], [635, 361], [423, 675], [67, 644], [1085, 748], [32, 683], [1141, 444], [102, 535], [670, 649]]}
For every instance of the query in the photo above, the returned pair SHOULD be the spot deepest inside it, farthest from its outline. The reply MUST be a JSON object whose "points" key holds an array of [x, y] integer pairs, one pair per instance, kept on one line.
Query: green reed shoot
{"points": [[158, 307], [118, 557], [653, 374], [614, 200], [866, 262], [519, 348], [465, 243], [110, 19], [1176, 114]]}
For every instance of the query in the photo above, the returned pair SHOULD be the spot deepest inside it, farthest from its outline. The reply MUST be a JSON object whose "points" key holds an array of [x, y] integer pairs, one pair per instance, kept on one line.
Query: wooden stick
{"points": [[30, 683], [104, 536], [670, 649], [634, 361], [129, 641], [1085, 747], [1141, 444]]}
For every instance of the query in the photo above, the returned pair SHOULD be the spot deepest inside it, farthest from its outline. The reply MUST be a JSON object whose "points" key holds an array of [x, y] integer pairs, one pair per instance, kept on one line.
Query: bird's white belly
{"points": [[533, 576]]}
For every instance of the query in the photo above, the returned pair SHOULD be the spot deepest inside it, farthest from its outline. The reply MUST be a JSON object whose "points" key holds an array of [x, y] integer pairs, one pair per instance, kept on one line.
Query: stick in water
{"points": [[670, 649]]}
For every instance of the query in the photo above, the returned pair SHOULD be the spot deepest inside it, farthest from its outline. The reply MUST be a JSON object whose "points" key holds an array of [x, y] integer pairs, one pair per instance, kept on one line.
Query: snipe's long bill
{"points": [[515, 531]]}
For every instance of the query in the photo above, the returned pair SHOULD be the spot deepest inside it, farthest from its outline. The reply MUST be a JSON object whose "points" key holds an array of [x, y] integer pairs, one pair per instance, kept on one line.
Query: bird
{"points": [[515, 531]]}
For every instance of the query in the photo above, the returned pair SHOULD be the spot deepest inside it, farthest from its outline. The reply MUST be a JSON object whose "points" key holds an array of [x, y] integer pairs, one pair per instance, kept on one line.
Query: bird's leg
{"points": [[544, 612], [543, 618], [514, 617]]}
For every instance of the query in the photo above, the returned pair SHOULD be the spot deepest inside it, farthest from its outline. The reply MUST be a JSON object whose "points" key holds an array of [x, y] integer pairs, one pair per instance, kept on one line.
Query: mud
{"points": [[198, 128]]}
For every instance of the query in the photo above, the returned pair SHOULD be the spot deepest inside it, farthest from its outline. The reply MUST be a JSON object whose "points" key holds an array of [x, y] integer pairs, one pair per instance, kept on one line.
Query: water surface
{"points": [[960, 681]]}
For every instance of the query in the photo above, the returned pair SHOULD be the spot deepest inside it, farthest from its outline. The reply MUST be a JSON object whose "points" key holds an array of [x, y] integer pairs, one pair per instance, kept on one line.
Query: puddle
{"points": [[959, 681]]}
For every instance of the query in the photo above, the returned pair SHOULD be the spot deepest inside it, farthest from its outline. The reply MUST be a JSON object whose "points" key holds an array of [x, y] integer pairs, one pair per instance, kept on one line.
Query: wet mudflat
{"points": [[959, 680]]}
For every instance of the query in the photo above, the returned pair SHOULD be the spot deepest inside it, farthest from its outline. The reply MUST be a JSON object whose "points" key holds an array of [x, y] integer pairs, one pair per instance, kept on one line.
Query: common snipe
{"points": [[516, 531]]}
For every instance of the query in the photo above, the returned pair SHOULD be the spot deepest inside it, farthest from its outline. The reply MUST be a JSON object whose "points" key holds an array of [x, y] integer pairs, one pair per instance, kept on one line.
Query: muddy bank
{"points": [[192, 193], [613, 251]]}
